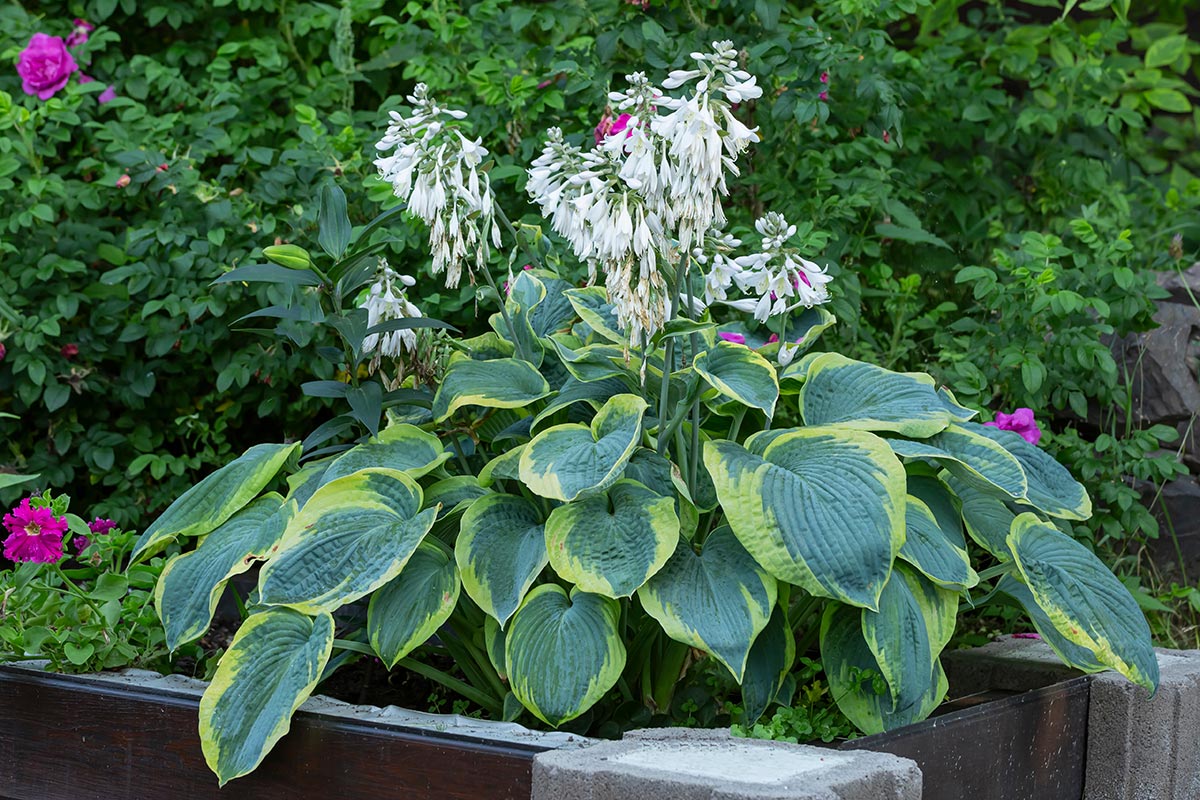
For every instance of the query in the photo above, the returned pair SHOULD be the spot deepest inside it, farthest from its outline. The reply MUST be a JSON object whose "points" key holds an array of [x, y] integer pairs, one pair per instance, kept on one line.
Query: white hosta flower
{"points": [[434, 168], [778, 275], [386, 300]]}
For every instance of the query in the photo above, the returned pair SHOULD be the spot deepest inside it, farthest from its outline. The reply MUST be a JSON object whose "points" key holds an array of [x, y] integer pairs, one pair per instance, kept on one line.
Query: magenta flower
{"points": [[81, 543], [736, 338], [823, 96], [3, 351], [824, 77], [609, 126], [100, 527], [107, 96], [80, 33], [773, 338], [1026, 636], [35, 534], [45, 66], [69, 350], [1020, 422]]}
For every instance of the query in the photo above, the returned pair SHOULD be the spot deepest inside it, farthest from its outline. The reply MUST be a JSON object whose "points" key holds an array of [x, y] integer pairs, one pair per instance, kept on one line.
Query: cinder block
{"points": [[1010, 664], [686, 764], [1142, 747]]}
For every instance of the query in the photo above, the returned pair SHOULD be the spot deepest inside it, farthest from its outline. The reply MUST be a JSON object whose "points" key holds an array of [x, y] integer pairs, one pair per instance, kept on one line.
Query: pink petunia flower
{"points": [[773, 338], [35, 534], [728, 336], [45, 66], [609, 126], [823, 96], [107, 96], [79, 35], [100, 527], [81, 543], [1021, 422], [824, 77]]}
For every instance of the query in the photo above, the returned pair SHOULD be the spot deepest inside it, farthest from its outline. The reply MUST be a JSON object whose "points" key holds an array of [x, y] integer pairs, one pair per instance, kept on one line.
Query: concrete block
{"points": [[686, 764], [1009, 664], [1142, 747]]}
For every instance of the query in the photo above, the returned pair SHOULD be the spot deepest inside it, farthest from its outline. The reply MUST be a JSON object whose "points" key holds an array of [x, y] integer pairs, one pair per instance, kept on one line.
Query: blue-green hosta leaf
{"points": [[566, 461], [1052, 489], [216, 498], [591, 362], [849, 665], [928, 548], [914, 622], [594, 393], [592, 306], [270, 668], [410, 608], [525, 294], [717, 601], [740, 374], [500, 550], [404, 448], [1083, 600], [854, 394], [957, 410], [771, 659], [187, 592], [563, 653], [498, 383], [554, 312], [941, 501], [973, 458], [505, 467], [1079, 657], [353, 536], [987, 518], [822, 508], [449, 493], [611, 543]]}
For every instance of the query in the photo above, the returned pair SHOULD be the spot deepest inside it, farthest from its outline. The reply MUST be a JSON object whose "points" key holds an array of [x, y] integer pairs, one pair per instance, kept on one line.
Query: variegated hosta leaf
{"points": [[972, 458], [498, 383], [563, 653], [1083, 600], [589, 363], [1052, 489], [986, 516], [404, 448], [941, 501], [506, 466], [410, 608], [524, 295], [928, 548], [849, 663], [914, 623], [270, 668], [450, 492], [840, 391], [741, 374], [717, 601], [594, 393], [957, 410], [216, 498], [1079, 657], [353, 536], [770, 661], [500, 550], [822, 508], [592, 306], [567, 461], [611, 543], [187, 592], [555, 311]]}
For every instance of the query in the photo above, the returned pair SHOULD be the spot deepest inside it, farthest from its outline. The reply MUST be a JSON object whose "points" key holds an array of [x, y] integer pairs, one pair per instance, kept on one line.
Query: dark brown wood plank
{"points": [[61, 737], [1030, 746]]}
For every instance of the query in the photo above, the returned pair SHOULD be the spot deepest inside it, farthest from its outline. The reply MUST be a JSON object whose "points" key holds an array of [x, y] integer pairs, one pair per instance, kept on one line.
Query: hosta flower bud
{"points": [[288, 255]]}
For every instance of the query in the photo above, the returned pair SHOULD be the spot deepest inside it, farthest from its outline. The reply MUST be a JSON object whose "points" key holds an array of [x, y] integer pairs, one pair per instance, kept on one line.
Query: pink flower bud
{"points": [[123, 181]]}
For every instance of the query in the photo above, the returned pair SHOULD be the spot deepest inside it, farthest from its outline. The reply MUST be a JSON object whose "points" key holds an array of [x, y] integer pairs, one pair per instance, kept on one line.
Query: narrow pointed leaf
{"points": [[216, 498], [191, 584], [1083, 600]]}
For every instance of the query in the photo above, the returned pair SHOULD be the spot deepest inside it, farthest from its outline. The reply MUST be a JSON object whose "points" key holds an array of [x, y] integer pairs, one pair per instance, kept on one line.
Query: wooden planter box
{"points": [[82, 738]]}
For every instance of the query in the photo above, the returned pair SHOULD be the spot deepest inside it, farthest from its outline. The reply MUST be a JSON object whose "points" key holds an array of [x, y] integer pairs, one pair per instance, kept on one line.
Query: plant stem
{"points": [[694, 461], [736, 426], [512, 329], [664, 394], [454, 684], [504, 220], [70, 584], [673, 657]]}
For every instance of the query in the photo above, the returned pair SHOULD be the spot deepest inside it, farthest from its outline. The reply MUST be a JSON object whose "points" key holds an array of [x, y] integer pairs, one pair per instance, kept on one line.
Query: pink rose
{"points": [[1021, 422], [45, 66], [80, 33]]}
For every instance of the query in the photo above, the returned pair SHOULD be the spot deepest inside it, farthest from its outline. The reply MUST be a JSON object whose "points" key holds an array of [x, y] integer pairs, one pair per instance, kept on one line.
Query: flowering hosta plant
{"points": [[612, 487]]}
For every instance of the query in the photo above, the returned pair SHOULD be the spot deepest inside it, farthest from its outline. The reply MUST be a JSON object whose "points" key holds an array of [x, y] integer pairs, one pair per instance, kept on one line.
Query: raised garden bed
{"points": [[122, 737]]}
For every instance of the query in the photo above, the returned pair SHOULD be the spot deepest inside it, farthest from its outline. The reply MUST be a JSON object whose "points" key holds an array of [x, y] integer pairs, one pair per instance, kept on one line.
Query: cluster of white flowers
{"points": [[777, 277], [385, 300], [434, 168], [652, 189]]}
